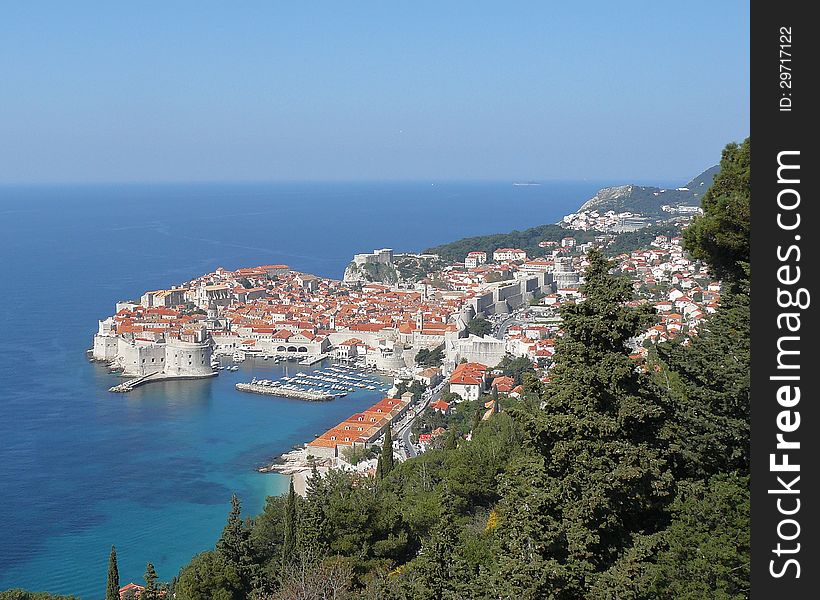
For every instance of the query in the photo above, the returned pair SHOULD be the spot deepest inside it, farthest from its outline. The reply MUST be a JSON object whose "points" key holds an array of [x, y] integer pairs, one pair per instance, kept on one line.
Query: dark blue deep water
{"points": [[153, 471]]}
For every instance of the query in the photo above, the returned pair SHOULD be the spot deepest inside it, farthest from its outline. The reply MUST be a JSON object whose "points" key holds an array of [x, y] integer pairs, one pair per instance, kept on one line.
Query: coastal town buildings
{"points": [[359, 430], [474, 259], [469, 380], [505, 254]]}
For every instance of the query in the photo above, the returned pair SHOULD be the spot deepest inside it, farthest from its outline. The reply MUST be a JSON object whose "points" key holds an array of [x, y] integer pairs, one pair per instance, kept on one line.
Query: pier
{"points": [[283, 392], [312, 360], [127, 386]]}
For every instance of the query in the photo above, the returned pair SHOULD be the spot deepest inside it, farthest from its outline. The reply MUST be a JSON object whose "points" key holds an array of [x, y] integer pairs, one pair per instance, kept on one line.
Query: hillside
{"points": [[648, 200], [526, 240], [632, 198], [403, 268]]}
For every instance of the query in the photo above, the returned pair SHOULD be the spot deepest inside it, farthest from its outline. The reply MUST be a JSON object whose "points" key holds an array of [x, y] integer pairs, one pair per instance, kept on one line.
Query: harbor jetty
{"points": [[155, 376], [298, 394], [127, 386], [312, 360]]}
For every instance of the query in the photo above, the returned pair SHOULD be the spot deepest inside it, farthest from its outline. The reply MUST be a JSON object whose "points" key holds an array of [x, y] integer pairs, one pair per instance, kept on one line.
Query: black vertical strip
{"points": [[784, 256]]}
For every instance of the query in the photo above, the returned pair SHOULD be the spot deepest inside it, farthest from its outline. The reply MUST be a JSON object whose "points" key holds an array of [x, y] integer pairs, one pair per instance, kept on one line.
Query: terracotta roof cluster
{"points": [[468, 374], [362, 427]]}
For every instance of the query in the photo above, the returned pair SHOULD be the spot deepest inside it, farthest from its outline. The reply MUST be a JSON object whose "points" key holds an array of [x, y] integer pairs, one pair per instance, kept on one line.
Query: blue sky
{"points": [[156, 91]]}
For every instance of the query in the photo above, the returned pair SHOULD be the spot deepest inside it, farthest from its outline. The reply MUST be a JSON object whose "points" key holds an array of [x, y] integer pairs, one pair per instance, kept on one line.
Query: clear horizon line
{"points": [[170, 182]]}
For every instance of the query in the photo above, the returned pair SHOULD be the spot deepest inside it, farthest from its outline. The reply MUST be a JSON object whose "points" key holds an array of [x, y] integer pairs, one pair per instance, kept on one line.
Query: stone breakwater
{"points": [[129, 385], [284, 392]]}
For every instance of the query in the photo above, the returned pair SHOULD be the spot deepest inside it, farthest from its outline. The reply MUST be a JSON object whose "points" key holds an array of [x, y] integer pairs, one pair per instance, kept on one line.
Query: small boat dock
{"points": [[312, 360]]}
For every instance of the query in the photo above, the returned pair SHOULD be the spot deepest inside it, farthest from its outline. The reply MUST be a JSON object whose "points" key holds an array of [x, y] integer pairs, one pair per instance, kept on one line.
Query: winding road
{"points": [[404, 431]]}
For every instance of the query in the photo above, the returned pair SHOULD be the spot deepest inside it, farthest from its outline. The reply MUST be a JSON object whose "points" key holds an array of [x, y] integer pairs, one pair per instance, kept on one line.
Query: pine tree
{"points": [[709, 378], [451, 439], [289, 542], [441, 572], [721, 235], [604, 477], [234, 544], [150, 591], [477, 416], [112, 590]]}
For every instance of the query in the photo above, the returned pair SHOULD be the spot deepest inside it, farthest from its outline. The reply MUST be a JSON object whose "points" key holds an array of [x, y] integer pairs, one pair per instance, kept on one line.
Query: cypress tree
{"points": [[112, 590], [387, 453], [380, 467], [477, 415], [150, 591], [289, 543]]}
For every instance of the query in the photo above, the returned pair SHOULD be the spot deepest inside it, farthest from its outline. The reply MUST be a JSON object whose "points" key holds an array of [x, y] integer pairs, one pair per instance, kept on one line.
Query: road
{"points": [[404, 429], [502, 328]]}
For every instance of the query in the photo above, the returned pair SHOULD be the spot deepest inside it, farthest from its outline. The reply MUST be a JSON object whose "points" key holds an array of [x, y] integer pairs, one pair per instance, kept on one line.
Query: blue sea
{"points": [[153, 471]]}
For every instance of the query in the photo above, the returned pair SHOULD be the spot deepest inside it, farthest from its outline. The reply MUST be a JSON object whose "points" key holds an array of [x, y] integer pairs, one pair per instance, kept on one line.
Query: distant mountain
{"points": [[648, 200]]}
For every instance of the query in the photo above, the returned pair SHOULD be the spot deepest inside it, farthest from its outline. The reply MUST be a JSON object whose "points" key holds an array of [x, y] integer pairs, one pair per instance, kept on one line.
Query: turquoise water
{"points": [[152, 471]]}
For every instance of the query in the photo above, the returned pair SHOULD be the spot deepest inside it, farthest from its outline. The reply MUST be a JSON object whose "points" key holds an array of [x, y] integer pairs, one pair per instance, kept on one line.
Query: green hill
{"points": [[526, 240], [648, 200]]}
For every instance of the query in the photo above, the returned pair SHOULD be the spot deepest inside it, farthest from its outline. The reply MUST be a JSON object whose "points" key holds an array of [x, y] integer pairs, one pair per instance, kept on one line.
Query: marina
{"points": [[320, 385]]}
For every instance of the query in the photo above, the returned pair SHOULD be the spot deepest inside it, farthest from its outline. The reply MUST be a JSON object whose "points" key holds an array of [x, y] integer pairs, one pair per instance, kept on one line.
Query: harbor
{"points": [[321, 385]]}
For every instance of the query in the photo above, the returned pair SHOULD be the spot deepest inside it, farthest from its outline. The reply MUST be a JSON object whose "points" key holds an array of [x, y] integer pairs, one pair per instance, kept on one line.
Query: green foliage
{"points": [[496, 276], [150, 592], [527, 240], [708, 382], [414, 268], [268, 531], [112, 588], [596, 469], [209, 576], [430, 358], [721, 235], [386, 457], [707, 543], [480, 327], [356, 454], [630, 241], [234, 546], [516, 368], [289, 537], [648, 200], [416, 388]]}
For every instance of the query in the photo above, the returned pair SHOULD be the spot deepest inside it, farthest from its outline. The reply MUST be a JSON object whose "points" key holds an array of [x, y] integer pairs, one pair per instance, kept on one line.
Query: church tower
{"points": [[213, 313]]}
